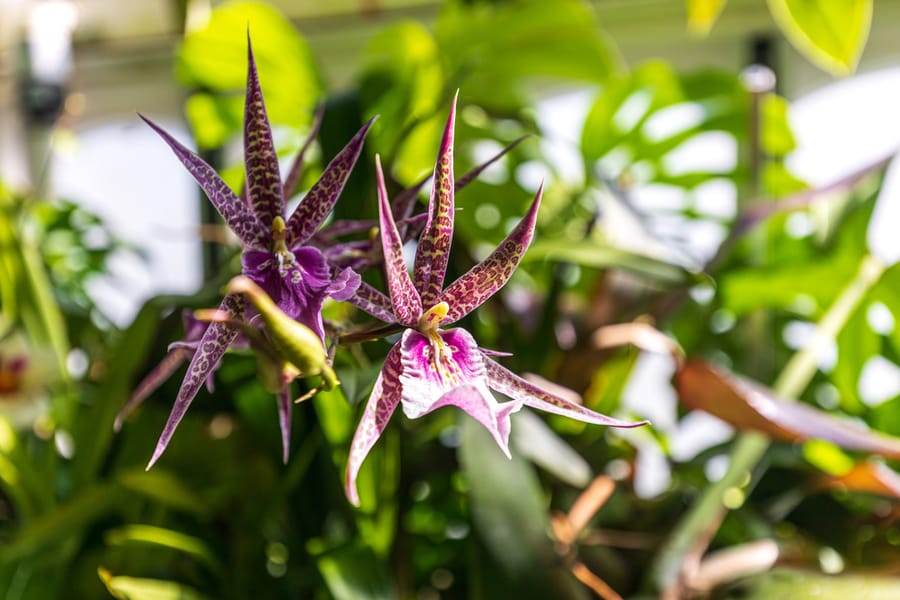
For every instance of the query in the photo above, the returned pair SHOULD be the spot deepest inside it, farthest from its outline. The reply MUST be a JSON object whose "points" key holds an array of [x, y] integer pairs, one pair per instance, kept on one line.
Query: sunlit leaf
{"points": [[495, 47], [214, 58], [603, 256], [702, 14], [785, 583], [747, 405], [355, 573], [830, 34], [167, 538], [137, 588]]}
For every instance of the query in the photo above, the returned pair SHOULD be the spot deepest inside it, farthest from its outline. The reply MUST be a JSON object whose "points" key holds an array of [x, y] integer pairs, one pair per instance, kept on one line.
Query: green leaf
{"points": [[702, 15], [496, 47], [831, 34], [590, 253], [787, 583], [353, 573], [136, 588], [159, 536], [214, 59]]}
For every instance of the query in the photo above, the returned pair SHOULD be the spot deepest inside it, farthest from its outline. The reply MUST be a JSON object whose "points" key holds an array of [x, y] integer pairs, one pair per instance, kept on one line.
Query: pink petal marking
{"points": [[213, 344], [320, 199], [285, 406], [407, 306], [293, 176], [433, 250], [381, 405], [372, 301], [506, 382], [456, 378], [484, 279], [263, 178], [236, 214]]}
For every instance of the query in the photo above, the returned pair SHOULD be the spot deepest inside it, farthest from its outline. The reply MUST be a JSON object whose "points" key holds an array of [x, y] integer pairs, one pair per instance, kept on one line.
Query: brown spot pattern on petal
{"points": [[260, 160]]}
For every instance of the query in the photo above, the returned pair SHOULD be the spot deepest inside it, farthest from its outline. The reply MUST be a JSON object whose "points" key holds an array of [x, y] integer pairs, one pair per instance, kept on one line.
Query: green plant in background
{"points": [[443, 513]]}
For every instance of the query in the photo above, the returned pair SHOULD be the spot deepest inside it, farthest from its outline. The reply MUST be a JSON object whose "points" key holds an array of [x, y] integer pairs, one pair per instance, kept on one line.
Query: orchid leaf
{"points": [[749, 406], [830, 34], [796, 583]]}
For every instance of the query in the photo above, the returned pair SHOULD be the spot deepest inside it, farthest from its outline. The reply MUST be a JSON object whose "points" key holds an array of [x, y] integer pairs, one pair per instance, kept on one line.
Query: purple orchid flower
{"points": [[430, 367], [276, 254]]}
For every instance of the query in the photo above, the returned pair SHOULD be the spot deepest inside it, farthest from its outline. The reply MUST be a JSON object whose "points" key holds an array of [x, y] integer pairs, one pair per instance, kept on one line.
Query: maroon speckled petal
{"points": [[153, 380], [491, 274], [285, 406], [319, 201], [506, 382], [433, 250], [407, 306], [382, 403], [293, 176], [212, 346], [261, 162], [370, 300], [236, 214]]}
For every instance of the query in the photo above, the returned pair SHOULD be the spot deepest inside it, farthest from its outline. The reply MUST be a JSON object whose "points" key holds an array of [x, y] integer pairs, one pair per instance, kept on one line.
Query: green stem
{"points": [[704, 517]]}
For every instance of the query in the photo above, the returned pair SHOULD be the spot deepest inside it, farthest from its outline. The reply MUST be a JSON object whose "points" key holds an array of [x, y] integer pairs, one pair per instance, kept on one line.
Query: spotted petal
{"points": [[506, 382], [263, 177], [382, 402], [285, 406], [212, 346], [433, 250], [370, 300], [484, 279], [407, 306], [236, 214], [456, 378], [320, 199], [293, 176]]}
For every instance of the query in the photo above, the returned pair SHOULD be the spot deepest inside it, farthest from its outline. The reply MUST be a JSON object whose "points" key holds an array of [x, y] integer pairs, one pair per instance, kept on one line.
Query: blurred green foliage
{"points": [[443, 514]]}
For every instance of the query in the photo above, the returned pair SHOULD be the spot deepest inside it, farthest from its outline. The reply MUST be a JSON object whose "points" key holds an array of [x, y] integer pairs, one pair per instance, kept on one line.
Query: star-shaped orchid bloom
{"points": [[276, 254], [430, 367]]}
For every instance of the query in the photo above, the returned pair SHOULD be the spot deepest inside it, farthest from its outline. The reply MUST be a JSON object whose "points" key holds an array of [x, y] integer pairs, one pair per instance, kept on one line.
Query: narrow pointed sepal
{"points": [[153, 380], [285, 406], [506, 382], [381, 405], [433, 251], [212, 346], [263, 177], [293, 176], [484, 279], [369, 300], [405, 301], [236, 214], [320, 199]]}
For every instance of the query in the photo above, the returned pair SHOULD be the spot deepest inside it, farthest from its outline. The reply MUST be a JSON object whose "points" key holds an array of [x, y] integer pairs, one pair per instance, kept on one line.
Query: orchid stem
{"points": [[700, 524]]}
